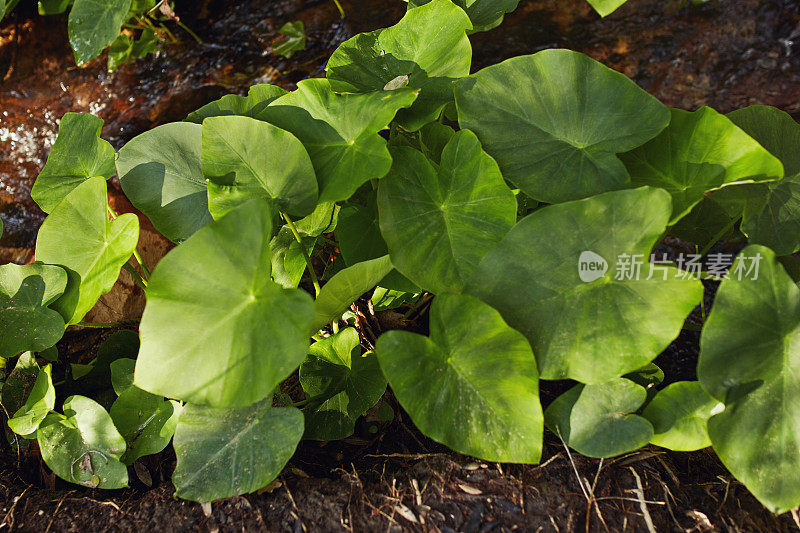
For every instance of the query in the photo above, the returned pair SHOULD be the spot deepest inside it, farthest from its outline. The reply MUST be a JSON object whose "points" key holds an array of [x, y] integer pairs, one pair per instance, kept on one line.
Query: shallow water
{"points": [[726, 54]]}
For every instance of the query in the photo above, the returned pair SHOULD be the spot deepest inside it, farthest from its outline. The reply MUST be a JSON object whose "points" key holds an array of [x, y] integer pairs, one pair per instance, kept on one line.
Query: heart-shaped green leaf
{"points": [[679, 414], [340, 132], [427, 50], [226, 452], [484, 14], [41, 400], [258, 97], [146, 421], [347, 286], [28, 323], [439, 221], [79, 237], [83, 447], [472, 385], [567, 277], [698, 152], [596, 420], [261, 159], [555, 120], [160, 173], [772, 211], [77, 155], [341, 383], [750, 361], [93, 26], [240, 334]]}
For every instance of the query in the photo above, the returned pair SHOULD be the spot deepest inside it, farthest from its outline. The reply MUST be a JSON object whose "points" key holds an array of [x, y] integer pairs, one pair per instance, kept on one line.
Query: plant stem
{"points": [[185, 28], [140, 281], [104, 324], [720, 234], [339, 7], [299, 240], [113, 214]]}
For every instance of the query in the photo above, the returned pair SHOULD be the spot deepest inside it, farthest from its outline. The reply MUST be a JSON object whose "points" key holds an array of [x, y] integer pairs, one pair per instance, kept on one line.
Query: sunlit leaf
{"points": [[227, 452], [750, 361], [77, 155], [555, 121], [160, 173], [78, 237], [429, 45], [83, 446], [240, 333], [472, 385], [439, 221], [566, 277], [598, 420]]}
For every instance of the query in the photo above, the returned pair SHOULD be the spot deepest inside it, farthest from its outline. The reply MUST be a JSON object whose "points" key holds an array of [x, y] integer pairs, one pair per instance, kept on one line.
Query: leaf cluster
{"points": [[470, 201]]}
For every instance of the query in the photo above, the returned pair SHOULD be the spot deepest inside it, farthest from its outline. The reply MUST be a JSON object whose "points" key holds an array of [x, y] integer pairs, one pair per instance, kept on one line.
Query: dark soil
{"points": [[727, 54], [401, 481]]}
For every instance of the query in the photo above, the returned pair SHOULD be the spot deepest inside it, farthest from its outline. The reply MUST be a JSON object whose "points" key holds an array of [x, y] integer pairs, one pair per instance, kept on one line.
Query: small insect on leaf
{"points": [[397, 83]]}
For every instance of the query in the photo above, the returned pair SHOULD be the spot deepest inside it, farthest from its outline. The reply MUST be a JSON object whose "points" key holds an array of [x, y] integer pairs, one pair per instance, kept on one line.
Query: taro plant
{"points": [[510, 215]]}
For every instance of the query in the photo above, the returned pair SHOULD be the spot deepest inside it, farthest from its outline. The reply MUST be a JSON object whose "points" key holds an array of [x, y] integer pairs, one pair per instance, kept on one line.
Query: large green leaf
{"points": [[146, 421], [160, 173], [238, 333], [472, 385], [597, 420], [772, 211], [226, 452], [83, 446], [258, 97], [679, 414], [555, 121], [750, 361], [484, 14], [341, 383], [586, 324], [440, 220], [261, 159], [79, 237], [346, 287], [41, 400], [25, 293], [699, 151], [93, 26], [340, 132], [429, 46], [77, 155]]}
